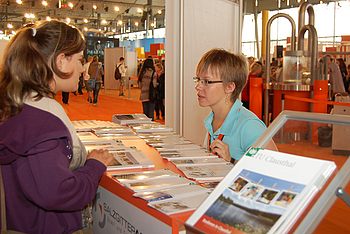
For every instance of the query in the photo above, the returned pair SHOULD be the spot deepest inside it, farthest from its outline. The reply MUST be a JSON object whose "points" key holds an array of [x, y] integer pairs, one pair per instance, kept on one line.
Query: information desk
{"points": [[117, 211]]}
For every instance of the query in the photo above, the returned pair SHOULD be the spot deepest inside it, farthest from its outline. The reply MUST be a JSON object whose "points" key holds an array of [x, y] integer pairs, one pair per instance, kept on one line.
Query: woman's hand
{"points": [[221, 149], [101, 155]]}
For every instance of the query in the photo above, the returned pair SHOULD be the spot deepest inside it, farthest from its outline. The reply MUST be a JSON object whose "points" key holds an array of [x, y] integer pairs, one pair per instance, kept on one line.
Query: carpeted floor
{"points": [[109, 103]]}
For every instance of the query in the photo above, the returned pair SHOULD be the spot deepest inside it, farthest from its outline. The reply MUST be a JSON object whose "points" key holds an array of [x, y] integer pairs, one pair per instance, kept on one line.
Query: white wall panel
{"points": [[196, 26]]}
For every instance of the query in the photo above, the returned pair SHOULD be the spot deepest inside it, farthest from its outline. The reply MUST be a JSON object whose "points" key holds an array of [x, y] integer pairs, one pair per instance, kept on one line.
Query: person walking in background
{"points": [[344, 72], [232, 129], [96, 73], [81, 80], [65, 97], [122, 69], [147, 81], [255, 70], [159, 103], [86, 77], [46, 175], [335, 78]]}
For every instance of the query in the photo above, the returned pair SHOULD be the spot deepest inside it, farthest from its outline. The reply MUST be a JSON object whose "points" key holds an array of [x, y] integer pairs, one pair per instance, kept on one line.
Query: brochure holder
{"points": [[292, 126]]}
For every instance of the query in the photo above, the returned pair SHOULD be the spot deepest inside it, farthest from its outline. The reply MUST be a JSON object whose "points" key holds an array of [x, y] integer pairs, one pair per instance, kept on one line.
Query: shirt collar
{"points": [[228, 125]]}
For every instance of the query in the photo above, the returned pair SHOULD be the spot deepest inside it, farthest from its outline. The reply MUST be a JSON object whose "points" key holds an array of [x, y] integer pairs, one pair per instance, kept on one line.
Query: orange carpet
{"points": [[109, 103]]}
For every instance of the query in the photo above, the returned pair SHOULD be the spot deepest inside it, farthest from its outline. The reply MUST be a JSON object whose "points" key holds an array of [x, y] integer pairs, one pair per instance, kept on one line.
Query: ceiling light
{"points": [[9, 25], [94, 7], [159, 12], [120, 22], [136, 24], [68, 20], [86, 21], [48, 18], [19, 1], [116, 8], [44, 3], [86, 29], [29, 15], [71, 5], [104, 21]]}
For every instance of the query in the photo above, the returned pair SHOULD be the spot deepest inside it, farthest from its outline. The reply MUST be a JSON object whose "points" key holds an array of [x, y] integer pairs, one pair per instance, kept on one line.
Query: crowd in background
{"points": [[151, 81]]}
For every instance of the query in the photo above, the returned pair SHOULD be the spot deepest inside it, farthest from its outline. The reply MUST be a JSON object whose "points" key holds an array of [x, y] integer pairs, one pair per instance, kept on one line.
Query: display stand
{"points": [[117, 211], [334, 189]]}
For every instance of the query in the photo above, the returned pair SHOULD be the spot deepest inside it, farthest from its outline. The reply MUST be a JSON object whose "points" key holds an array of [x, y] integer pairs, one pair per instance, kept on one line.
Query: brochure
{"points": [[211, 172], [170, 193], [179, 205], [121, 129], [88, 125], [129, 159], [170, 147], [172, 139], [186, 154], [198, 161], [265, 192], [142, 175], [157, 183], [152, 127], [125, 119], [104, 144]]}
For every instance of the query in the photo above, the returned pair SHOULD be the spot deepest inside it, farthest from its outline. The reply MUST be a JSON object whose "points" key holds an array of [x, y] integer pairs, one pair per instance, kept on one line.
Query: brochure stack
{"points": [[164, 190]]}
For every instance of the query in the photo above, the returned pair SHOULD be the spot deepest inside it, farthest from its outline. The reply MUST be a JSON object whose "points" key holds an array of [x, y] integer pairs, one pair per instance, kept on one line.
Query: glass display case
{"points": [[322, 136]]}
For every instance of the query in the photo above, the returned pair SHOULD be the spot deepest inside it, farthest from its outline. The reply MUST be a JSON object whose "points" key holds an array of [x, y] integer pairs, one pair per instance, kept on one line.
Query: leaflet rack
{"points": [[292, 127]]}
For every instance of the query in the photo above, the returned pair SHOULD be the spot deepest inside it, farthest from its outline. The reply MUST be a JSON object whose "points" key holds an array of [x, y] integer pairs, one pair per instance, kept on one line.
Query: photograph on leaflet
{"points": [[179, 205], [129, 159], [251, 204]]}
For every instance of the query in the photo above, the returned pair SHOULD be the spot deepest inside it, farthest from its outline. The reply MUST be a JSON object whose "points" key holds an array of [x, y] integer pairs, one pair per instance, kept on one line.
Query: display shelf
{"points": [[117, 211]]}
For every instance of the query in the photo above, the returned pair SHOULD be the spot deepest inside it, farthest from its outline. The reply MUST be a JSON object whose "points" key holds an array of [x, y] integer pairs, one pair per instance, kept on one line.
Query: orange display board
{"points": [[256, 95], [280, 104], [155, 47]]}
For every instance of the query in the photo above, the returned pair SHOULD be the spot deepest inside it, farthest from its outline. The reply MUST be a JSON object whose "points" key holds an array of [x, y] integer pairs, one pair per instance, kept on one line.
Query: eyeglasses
{"points": [[197, 80]]}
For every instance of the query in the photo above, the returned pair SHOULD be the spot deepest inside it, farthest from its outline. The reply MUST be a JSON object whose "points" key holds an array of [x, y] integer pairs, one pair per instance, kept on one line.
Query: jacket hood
{"points": [[20, 134]]}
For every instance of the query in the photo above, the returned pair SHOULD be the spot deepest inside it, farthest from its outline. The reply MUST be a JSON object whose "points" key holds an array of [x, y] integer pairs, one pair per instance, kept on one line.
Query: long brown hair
{"points": [[29, 62]]}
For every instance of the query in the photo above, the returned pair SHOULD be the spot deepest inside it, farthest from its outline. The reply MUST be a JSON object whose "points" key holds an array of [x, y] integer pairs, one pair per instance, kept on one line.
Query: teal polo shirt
{"points": [[241, 129]]}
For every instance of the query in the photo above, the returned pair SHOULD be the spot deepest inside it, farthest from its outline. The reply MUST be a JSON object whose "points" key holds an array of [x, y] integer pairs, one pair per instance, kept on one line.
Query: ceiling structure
{"points": [[104, 15], [250, 6], [101, 16]]}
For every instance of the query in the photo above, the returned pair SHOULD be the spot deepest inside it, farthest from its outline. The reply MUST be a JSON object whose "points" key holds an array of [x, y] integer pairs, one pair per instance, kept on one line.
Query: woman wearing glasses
{"points": [[232, 129]]}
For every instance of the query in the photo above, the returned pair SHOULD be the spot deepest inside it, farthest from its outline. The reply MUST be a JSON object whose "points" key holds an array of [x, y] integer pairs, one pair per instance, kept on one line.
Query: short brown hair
{"points": [[227, 66]]}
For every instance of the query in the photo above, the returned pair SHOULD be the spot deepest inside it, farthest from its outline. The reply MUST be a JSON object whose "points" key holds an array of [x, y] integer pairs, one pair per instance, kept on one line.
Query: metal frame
{"points": [[342, 178]]}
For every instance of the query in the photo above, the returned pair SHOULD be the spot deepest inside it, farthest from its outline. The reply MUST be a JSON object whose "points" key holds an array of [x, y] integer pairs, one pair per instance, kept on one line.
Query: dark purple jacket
{"points": [[42, 194]]}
